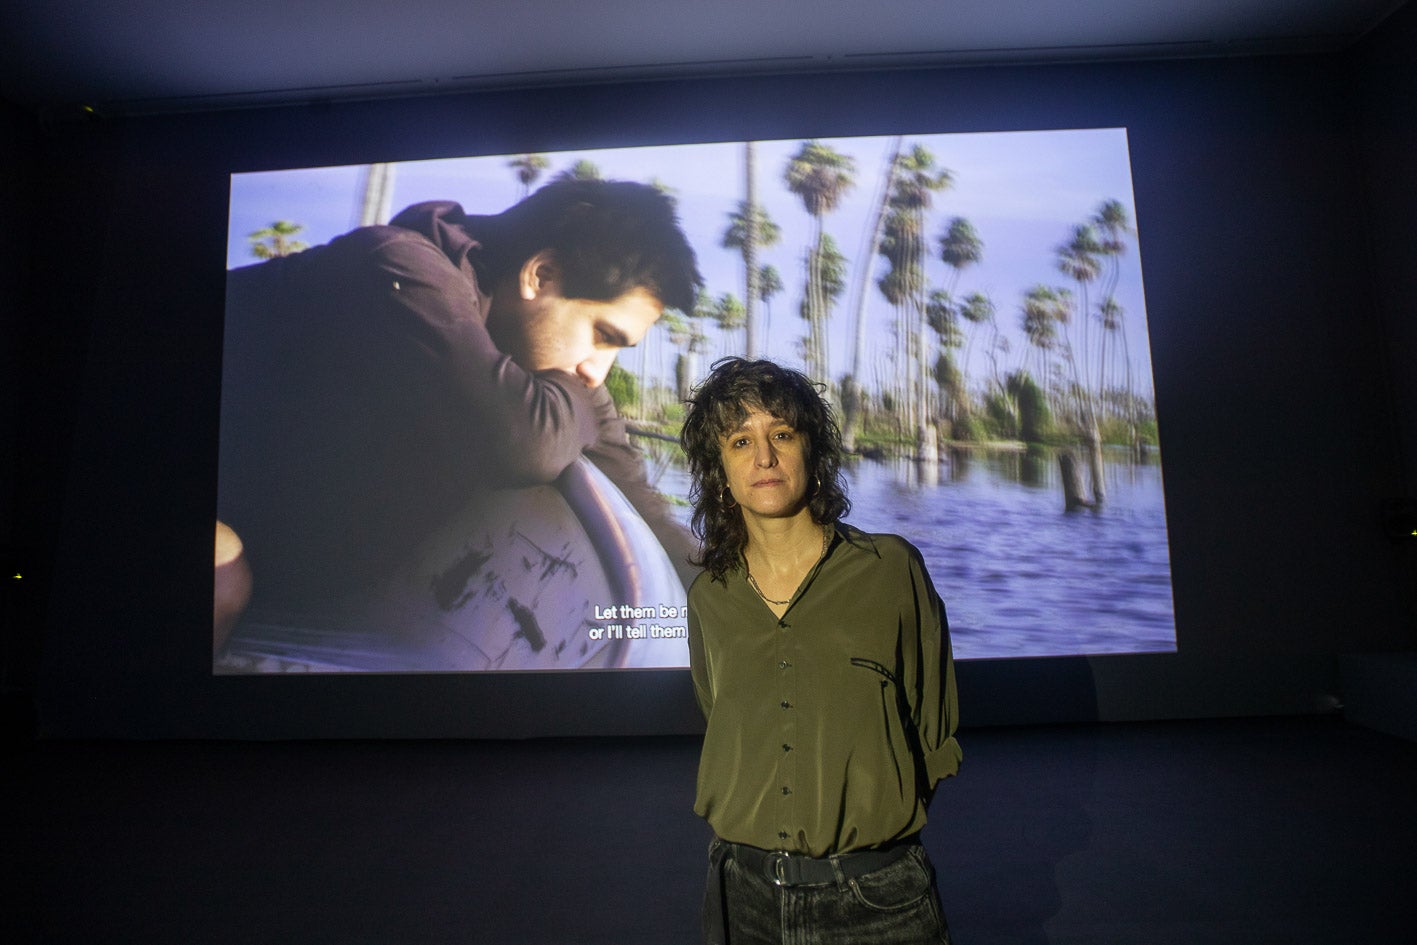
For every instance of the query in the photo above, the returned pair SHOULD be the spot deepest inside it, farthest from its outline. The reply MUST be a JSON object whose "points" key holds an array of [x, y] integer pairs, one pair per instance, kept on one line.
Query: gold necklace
{"points": [[826, 541], [775, 603]]}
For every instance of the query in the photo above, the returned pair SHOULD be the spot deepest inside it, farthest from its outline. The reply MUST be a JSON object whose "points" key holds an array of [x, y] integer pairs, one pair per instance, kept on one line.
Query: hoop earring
{"points": [[725, 498]]}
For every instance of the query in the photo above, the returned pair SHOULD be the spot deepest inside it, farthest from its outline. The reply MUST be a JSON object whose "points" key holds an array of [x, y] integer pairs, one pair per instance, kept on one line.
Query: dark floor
{"points": [[1287, 831]]}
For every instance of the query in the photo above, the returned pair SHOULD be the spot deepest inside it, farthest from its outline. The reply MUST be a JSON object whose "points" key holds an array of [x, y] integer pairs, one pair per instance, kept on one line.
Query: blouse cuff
{"points": [[944, 761]]}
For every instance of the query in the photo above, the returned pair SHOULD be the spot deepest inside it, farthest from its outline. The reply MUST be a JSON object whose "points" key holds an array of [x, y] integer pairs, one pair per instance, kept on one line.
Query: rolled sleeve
{"points": [[936, 706]]}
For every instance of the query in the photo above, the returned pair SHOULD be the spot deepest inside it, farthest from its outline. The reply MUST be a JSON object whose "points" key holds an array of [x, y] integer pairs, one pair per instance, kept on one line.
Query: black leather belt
{"points": [[795, 869]]}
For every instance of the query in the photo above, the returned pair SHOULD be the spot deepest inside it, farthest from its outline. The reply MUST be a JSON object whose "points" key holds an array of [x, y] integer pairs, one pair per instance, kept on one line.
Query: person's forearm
{"points": [[520, 428]]}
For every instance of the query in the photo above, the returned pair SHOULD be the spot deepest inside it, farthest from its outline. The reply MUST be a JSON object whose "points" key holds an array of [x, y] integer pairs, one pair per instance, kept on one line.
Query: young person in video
{"points": [[375, 386], [820, 656]]}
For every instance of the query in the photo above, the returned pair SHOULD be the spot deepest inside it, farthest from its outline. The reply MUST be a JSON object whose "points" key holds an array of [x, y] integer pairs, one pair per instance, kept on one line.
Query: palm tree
{"points": [[978, 309], [749, 229], [1044, 309], [529, 167], [950, 382], [961, 247], [917, 179], [685, 332], [942, 315], [581, 170], [274, 240], [1110, 315], [999, 344], [769, 285], [853, 392], [731, 315], [830, 266], [673, 326], [1113, 225], [901, 283], [1080, 258], [1112, 220], [820, 176]]}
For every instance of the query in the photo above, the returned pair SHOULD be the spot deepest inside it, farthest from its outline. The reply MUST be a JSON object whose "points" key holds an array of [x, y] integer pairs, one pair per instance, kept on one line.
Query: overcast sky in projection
{"points": [[1023, 192]]}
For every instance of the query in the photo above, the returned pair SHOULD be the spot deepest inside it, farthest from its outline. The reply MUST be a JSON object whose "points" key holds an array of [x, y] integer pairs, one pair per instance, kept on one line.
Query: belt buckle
{"points": [[777, 867]]}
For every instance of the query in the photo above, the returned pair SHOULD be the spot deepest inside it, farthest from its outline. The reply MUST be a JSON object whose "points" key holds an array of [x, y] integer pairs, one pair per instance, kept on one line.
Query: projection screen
{"points": [[972, 304]]}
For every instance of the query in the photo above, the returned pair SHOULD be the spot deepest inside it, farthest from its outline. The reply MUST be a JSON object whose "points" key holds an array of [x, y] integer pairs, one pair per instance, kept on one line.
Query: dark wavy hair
{"points": [[609, 236], [718, 406]]}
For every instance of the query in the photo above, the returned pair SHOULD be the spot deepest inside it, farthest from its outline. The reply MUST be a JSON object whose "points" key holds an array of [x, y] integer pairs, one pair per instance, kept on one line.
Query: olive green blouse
{"points": [[829, 728]]}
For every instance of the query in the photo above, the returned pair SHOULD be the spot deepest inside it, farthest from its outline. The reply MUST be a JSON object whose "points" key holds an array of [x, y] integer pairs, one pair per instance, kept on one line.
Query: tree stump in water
{"points": [[1073, 496]]}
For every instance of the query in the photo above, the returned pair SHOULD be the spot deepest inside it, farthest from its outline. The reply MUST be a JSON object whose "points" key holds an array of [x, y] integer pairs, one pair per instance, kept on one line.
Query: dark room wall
{"points": [[29, 446], [1387, 90], [1278, 429]]}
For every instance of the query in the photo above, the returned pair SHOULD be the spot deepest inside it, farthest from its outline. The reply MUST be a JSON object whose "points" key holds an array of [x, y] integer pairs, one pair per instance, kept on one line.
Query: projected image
{"points": [[452, 390]]}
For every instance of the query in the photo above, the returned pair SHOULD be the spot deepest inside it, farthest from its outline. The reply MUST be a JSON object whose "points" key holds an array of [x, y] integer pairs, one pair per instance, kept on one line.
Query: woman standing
{"points": [[821, 660]]}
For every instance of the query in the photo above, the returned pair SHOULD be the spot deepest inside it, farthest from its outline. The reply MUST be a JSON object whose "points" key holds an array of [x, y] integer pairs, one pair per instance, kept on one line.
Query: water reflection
{"points": [[1020, 576]]}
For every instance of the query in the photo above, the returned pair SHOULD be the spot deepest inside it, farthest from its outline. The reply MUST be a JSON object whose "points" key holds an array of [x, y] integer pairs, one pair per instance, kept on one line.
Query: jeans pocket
{"points": [[902, 885]]}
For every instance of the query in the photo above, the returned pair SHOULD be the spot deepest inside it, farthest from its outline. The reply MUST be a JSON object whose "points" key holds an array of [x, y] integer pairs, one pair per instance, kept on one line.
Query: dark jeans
{"points": [[895, 905]]}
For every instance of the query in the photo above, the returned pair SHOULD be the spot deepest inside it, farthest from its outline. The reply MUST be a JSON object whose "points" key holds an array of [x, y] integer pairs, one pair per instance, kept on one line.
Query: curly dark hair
{"points": [[718, 406]]}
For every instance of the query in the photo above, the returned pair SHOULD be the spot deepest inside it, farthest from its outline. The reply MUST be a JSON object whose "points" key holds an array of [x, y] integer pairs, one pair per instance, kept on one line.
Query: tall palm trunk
{"points": [[854, 403], [750, 250], [376, 201], [817, 305], [924, 425], [1087, 418]]}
